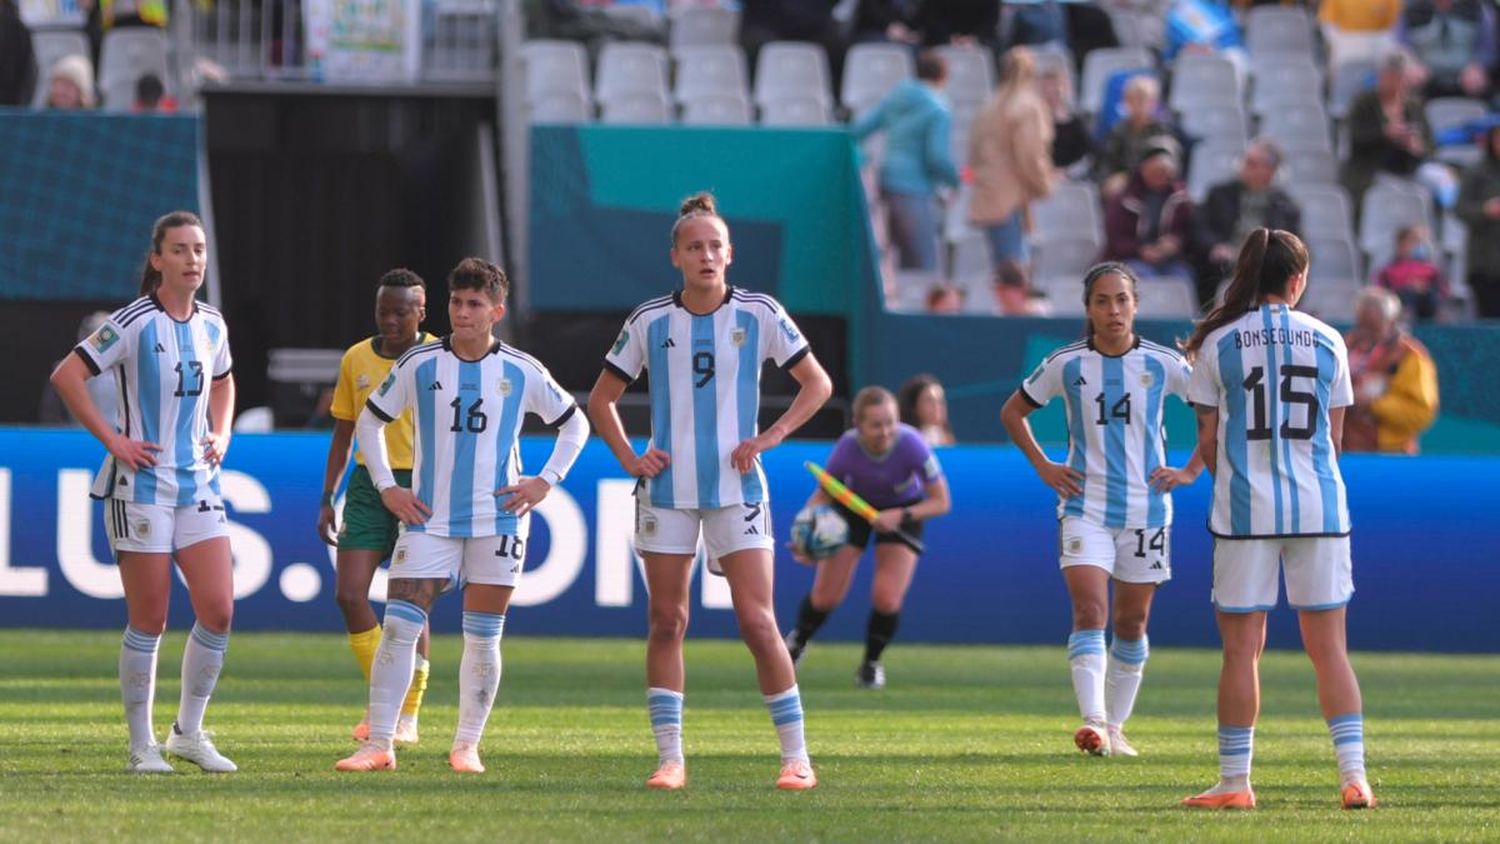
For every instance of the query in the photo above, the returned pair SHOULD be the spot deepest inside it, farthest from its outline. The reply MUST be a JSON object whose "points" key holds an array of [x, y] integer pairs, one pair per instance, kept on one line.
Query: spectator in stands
{"points": [[1072, 144], [890, 21], [151, 96], [917, 124], [924, 407], [1129, 138], [1010, 144], [17, 60], [575, 20], [764, 21], [1014, 295], [1413, 274], [1479, 208], [1387, 130], [944, 298], [1455, 41], [1358, 29], [1234, 209], [1036, 24], [1394, 379], [70, 85], [1204, 26], [959, 22], [103, 390], [1149, 225]]}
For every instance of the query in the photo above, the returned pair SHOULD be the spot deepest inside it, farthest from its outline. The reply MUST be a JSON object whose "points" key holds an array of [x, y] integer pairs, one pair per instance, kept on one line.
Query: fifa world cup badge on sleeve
{"points": [[104, 338], [621, 341], [385, 386]]}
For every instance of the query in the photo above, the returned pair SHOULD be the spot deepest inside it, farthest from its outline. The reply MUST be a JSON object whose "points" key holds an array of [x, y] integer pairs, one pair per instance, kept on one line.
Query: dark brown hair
{"points": [[150, 276], [1099, 271], [868, 398], [906, 402], [701, 204], [479, 274], [931, 66], [1267, 261]]}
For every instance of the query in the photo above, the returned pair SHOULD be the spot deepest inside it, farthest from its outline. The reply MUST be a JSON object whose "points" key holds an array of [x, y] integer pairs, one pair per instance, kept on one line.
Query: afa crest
{"points": [[737, 336], [1146, 379], [504, 387]]}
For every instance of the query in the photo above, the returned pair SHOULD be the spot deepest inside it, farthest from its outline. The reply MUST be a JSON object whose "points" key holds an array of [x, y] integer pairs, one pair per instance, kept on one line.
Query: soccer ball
{"points": [[819, 531]]}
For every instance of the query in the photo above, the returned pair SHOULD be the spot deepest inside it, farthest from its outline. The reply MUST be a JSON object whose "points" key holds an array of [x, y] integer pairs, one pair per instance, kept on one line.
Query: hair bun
{"points": [[699, 203]]}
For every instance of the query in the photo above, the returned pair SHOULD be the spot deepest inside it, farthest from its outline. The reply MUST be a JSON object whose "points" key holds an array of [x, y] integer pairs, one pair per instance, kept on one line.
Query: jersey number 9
{"points": [[703, 367]]}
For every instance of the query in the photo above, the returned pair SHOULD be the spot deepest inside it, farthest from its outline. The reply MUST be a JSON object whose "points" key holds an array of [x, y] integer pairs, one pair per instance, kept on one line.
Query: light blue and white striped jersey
{"points": [[705, 389], [467, 419], [1274, 374], [1116, 438], [163, 370]]}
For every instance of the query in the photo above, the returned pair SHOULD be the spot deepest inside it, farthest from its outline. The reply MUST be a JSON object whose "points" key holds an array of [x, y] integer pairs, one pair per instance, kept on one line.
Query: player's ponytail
{"points": [[1266, 263], [701, 204], [1099, 271], [150, 276]]}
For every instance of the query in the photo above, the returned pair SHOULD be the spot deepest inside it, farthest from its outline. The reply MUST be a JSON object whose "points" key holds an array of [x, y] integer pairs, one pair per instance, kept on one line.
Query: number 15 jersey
{"points": [[705, 389], [1274, 374]]}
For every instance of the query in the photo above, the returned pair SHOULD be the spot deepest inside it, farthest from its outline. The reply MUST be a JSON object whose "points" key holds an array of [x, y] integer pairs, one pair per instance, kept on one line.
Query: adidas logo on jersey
{"points": [[1080, 382], [436, 385], [668, 344], [160, 349], [1156, 566], [752, 531]]}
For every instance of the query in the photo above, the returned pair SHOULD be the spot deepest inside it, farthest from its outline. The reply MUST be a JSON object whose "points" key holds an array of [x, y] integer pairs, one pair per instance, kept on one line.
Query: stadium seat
{"points": [[1211, 164], [1127, 25], [1327, 213], [1203, 80], [871, 71], [1331, 300], [126, 55], [555, 66], [1209, 123], [717, 110], [1388, 206], [1311, 167], [630, 70], [703, 26], [49, 46], [560, 107], [1298, 127], [971, 73], [1064, 261], [1167, 297], [1100, 64], [792, 69], [643, 108], [1336, 259], [1454, 113], [1071, 212], [1056, 57], [1285, 80], [1280, 31], [1347, 80], [717, 70], [793, 110]]}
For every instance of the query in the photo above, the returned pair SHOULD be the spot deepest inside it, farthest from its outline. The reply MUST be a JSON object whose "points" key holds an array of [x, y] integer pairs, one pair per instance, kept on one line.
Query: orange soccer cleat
{"points": [[464, 758], [1357, 795], [368, 758], [1092, 739], [1221, 800], [796, 775], [670, 776]]}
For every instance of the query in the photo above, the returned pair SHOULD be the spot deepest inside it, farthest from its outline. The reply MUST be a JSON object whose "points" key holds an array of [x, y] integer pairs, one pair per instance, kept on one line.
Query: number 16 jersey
{"points": [[1274, 374]]}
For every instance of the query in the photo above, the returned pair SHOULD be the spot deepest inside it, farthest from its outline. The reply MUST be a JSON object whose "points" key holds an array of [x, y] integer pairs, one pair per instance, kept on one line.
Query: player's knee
{"points": [[150, 623], [886, 602], [1089, 615], [759, 631], [351, 598], [669, 623], [1130, 625], [825, 598], [217, 616]]}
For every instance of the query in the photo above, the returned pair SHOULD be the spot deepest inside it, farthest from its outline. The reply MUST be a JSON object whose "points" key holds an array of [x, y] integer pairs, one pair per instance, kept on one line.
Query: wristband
{"points": [[906, 514], [327, 499]]}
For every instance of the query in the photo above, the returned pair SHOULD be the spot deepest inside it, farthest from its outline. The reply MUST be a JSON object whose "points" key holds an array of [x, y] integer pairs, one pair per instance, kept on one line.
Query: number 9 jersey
{"points": [[164, 370], [1274, 374]]}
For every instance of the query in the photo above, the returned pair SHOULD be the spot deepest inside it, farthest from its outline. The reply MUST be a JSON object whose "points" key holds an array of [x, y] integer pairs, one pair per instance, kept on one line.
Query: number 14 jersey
{"points": [[1274, 374]]}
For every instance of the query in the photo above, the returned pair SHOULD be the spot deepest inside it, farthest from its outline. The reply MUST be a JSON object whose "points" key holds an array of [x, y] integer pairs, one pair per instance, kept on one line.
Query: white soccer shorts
{"points": [[1130, 555], [1319, 573], [489, 560], [724, 530], [162, 529]]}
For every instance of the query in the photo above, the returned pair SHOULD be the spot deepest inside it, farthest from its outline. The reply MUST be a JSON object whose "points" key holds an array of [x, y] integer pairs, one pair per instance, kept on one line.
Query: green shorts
{"points": [[368, 526]]}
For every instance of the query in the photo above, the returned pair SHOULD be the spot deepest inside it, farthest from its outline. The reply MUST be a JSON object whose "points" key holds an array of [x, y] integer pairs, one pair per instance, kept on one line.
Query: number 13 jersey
{"points": [[1274, 374], [705, 389]]}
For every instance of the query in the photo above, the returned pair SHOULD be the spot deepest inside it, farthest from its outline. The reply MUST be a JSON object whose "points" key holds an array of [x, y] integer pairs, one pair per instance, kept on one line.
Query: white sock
{"points": [[786, 714], [1236, 747], [1086, 655], [138, 683], [390, 674], [1122, 680], [202, 660], [479, 673], [665, 706], [1348, 732]]}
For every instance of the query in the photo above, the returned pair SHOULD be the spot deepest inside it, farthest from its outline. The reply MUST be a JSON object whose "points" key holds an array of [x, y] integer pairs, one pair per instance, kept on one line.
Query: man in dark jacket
{"points": [[1149, 225], [17, 62], [1234, 209]]}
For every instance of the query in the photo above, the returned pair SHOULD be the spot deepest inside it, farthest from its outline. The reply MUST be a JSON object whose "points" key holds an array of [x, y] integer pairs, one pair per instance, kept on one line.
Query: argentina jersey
{"points": [[1116, 438], [163, 370], [705, 390], [467, 418], [1274, 374]]}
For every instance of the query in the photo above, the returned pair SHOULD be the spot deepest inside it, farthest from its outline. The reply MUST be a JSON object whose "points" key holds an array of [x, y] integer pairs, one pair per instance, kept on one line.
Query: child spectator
{"points": [[1414, 276]]}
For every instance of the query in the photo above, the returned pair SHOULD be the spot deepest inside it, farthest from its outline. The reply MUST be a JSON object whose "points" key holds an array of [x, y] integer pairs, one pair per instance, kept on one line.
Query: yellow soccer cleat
{"points": [[796, 775], [368, 758], [669, 777]]}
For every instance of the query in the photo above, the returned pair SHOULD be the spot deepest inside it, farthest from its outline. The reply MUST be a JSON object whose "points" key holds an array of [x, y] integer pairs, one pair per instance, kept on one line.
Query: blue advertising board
{"points": [[1426, 550]]}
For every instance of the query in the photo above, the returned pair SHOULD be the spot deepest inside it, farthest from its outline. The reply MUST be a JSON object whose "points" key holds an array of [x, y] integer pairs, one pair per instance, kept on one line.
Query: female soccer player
{"points": [[1113, 507], [169, 356], [368, 534], [1270, 385], [701, 472], [890, 466], [466, 516]]}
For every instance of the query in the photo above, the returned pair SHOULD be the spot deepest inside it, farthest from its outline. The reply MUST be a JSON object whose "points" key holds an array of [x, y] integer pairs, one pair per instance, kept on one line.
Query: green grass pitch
{"points": [[968, 743]]}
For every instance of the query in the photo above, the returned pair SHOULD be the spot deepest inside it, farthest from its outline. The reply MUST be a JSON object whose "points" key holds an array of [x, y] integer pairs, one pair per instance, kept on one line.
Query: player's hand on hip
{"points": [[1065, 480], [215, 446], [744, 454], [328, 526], [886, 521], [136, 454], [405, 505], [524, 494], [1166, 479], [650, 464]]}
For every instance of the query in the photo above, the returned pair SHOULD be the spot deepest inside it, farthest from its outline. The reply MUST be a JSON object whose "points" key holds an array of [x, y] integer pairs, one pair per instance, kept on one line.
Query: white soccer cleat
{"points": [[406, 730], [199, 749], [1118, 746], [1092, 738], [147, 760]]}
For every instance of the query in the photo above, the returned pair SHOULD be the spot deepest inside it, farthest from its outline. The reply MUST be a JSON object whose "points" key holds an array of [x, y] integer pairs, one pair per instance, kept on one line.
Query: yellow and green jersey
{"points": [[362, 370]]}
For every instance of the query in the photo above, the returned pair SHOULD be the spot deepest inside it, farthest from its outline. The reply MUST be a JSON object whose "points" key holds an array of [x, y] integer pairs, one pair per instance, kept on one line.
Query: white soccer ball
{"points": [[819, 531]]}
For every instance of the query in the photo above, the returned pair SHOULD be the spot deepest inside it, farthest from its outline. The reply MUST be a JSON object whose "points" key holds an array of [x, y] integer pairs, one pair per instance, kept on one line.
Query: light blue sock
{"points": [[665, 706], [1348, 733], [1086, 656], [786, 714]]}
